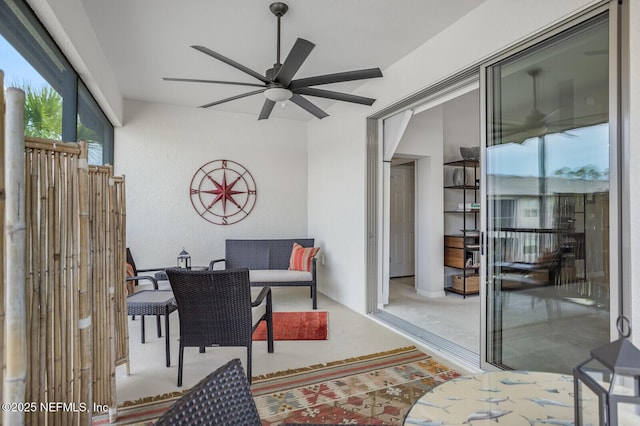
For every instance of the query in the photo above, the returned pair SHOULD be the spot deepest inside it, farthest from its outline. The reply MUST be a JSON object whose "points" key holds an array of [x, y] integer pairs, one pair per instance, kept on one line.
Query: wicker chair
{"points": [[222, 398], [215, 309]]}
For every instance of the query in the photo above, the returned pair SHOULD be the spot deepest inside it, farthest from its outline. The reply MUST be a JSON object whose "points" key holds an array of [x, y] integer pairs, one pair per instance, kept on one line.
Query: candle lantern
{"points": [[607, 385], [184, 260]]}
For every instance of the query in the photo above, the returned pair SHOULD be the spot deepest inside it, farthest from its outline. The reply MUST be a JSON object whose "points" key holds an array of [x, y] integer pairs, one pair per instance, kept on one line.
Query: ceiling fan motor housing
{"points": [[271, 73], [278, 8]]}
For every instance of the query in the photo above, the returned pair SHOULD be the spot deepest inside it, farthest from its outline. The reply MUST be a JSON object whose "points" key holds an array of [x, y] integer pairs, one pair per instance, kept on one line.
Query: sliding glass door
{"points": [[548, 181]]}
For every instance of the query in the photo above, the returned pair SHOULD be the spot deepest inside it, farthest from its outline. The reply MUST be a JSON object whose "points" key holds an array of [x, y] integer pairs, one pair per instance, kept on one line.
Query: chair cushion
{"points": [[278, 275], [257, 312], [301, 257]]}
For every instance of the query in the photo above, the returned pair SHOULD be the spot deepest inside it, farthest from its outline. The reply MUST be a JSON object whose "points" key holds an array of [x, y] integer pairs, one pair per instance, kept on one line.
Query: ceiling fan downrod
{"points": [[278, 9]]}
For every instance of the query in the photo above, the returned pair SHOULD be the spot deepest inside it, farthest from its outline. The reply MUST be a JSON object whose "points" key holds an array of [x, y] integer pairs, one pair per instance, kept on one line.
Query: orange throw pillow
{"points": [[301, 257]]}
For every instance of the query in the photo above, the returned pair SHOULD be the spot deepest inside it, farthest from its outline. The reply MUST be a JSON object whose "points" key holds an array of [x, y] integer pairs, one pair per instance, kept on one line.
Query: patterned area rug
{"points": [[377, 389], [296, 326]]}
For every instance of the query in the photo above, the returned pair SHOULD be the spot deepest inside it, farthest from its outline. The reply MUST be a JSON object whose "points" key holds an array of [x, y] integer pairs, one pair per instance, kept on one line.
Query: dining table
{"points": [[504, 397]]}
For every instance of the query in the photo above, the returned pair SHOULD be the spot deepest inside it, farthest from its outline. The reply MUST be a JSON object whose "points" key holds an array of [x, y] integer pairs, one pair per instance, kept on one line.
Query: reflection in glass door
{"points": [[548, 183]]}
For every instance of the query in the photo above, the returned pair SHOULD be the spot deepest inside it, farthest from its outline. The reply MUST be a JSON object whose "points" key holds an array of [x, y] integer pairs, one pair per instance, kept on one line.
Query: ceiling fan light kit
{"points": [[278, 94], [278, 84]]}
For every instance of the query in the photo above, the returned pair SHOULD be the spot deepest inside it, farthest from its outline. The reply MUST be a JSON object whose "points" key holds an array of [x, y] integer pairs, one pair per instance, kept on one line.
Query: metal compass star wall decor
{"points": [[223, 192]]}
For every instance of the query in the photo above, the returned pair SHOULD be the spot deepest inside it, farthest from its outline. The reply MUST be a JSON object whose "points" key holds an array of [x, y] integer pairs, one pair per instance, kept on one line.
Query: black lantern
{"points": [[184, 260], [607, 385]]}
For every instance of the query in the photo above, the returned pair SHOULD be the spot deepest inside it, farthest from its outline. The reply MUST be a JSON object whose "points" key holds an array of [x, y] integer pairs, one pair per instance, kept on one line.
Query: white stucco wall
{"points": [[337, 144], [160, 148], [423, 140]]}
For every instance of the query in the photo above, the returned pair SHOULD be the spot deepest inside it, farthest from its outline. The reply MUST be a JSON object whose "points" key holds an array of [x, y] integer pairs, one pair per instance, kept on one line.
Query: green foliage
{"points": [[588, 171], [42, 113]]}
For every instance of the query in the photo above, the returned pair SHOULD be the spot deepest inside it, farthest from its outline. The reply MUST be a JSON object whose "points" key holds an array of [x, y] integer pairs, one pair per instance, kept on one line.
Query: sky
{"points": [[16, 69], [575, 149]]}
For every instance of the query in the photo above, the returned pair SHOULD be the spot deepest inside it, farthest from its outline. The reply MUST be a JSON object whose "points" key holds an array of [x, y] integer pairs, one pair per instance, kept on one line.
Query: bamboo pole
{"points": [[41, 304], [29, 268], [2, 216], [49, 145], [72, 293], [71, 281], [15, 228], [112, 282], [55, 300], [84, 289]]}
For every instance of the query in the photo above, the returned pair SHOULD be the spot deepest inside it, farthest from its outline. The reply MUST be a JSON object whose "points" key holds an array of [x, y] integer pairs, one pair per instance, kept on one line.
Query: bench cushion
{"points": [[278, 275]]}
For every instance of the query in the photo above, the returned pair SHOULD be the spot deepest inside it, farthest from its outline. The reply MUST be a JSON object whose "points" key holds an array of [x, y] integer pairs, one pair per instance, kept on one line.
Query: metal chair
{"points": [[133, 277], [215, 309], [222, 398]]}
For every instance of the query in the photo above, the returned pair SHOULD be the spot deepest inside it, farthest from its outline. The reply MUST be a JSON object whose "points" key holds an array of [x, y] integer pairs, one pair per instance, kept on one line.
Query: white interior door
{"points": [[402, 221]]}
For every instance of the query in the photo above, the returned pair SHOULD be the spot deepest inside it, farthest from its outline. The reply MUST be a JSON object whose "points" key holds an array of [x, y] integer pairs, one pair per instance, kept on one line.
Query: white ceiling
{"points": [[146, 40]]}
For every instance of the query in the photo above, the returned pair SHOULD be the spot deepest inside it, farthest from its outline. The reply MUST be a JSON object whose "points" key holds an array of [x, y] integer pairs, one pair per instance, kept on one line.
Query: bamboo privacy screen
{"points": [[107, 239], [75, 283]]}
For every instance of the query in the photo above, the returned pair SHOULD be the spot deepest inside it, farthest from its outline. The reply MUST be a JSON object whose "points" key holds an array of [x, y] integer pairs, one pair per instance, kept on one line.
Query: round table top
{"points": [[508, 397]]}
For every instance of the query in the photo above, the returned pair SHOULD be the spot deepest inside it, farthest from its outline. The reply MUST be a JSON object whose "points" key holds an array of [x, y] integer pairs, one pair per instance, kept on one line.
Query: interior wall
{"points": [[461, 124], [337, 144], [423, 140], [159, 150]]}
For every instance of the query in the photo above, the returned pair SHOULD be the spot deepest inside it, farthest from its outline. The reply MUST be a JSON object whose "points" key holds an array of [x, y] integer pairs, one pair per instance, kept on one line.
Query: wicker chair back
{"points": [[221, 398], [214, 308]]}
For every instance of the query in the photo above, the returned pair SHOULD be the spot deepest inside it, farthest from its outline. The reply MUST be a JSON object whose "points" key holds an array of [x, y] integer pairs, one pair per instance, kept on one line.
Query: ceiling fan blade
{"points": [[196, 80], [320, 93], [308, 106], [298, 54], [267, 107], [232, 63], [233, 98], [338, 77]]}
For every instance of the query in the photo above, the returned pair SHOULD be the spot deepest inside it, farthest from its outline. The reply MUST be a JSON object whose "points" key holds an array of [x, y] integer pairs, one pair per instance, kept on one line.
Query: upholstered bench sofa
{"points": [[268, 262]]}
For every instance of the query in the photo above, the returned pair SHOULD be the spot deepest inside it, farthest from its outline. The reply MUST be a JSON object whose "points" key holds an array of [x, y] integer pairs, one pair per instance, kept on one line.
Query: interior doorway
{"points": [[402, 219], [417, 301]]}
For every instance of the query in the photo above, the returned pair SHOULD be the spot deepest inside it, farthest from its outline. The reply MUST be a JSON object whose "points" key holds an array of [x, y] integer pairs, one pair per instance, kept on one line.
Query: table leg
{"points": [[166, 334], [142, 328]]}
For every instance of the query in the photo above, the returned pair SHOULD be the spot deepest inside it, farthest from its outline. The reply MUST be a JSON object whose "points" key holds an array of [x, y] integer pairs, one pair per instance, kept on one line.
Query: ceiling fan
{"points": [[278, 84], [535, 123]]}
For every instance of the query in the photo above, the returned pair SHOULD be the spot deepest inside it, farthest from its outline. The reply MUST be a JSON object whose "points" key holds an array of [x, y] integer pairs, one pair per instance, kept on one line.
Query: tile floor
{"points": [[452, 317], [350, 335]]}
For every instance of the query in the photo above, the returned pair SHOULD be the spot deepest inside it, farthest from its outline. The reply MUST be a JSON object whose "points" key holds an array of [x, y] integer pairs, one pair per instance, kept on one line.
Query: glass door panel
{"points": [[547, 166]]}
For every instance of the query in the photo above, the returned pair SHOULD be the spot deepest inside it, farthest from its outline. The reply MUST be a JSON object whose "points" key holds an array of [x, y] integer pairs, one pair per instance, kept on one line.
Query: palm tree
{"points": [[42, 112], [43, 119]]}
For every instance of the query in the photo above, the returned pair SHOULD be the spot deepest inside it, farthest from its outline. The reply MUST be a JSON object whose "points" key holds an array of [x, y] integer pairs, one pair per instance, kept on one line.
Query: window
{"points": [[58, 105]]}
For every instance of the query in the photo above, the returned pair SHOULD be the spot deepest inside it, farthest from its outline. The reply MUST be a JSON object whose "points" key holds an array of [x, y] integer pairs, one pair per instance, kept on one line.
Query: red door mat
{"points": [[296, 326]]}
